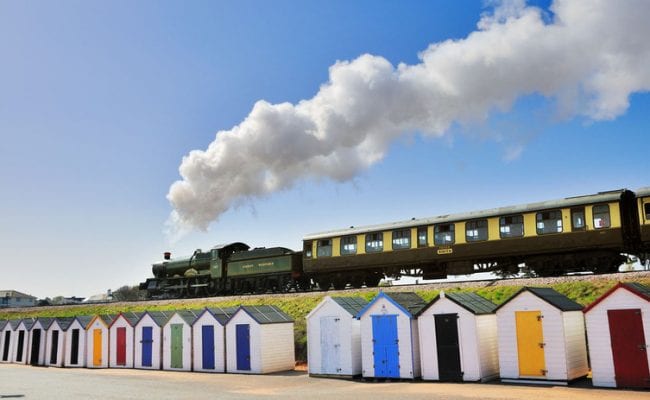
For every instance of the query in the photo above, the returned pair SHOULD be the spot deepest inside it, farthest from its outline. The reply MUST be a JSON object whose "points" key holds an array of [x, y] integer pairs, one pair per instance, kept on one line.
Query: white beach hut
{"points": [[334, 337], [6, 340], [148, 339], [75, 340], [97, 341], [389, 336], [177, 341], [55, 342], [21, 341], [458, 338], [541, 338], [209, 347], [121, 346], [618, 331], [259, 340], [37, 340]]}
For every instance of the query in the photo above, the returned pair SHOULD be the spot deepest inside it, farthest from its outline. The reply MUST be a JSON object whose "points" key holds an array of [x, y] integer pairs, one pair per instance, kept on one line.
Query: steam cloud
{"points": [[589, 59]]}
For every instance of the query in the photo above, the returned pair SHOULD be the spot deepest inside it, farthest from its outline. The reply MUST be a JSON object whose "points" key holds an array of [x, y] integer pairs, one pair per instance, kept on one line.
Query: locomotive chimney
{"points": [[167, 255]]}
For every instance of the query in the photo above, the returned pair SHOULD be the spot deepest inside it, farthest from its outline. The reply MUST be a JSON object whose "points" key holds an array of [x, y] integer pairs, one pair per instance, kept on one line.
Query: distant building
{"points": [[13, 298], [73, 300]]}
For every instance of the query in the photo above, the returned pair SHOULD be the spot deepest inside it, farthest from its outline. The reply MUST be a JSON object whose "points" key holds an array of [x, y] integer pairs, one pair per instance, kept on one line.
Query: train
{"points": [[594, 233]]}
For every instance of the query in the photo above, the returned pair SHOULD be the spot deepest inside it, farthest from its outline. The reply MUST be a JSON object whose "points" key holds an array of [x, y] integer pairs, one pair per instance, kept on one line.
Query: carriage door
{"points": [[530, 343], [177, 345], [5, 351], [97, 347], [147, 344], [385, 346], [330, 345], [243, 347], [74, 351], [629, 348], [36, 347], [121, 346], [54, 352], [207, 344], [447, 347]]}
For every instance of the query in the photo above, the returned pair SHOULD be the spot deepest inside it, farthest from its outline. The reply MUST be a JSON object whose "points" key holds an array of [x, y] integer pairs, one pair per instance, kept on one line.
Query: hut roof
{"points": [[633, 287], [472, 302], [409, 302], [557, 300], [266, 314]]}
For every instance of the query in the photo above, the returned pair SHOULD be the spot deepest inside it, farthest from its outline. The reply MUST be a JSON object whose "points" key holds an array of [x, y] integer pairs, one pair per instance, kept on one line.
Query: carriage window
{"points": [[374, 242], [444, 234], [549, 222], [512, 226], [578, 219], [476, 230], [423, 237], [348, 245], [601, 216], [325, 248], [402, 239], [646, 209], [307, 249]]}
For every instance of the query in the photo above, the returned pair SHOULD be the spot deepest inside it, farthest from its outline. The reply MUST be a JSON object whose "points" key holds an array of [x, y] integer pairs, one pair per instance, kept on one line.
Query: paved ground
{"points": [[17, 381]]}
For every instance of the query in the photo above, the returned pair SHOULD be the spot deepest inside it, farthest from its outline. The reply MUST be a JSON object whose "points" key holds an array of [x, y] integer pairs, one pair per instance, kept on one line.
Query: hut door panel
{"points": [[447, 347], [5, 351], [629, 348], [74, 351], [97, 347], [21, 344], [330, 345], [385, 346], [121, 346], [36, 347], [530, 343], [177, 346], [54, 353], [243, 347], [147, 344], [207, 336]]}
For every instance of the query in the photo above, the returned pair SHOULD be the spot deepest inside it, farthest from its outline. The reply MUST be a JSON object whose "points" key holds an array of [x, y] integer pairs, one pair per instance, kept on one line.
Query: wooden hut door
{"points": [[207, 344], [5, 351], [121, 346], [97, 347], [36, 347], [21, 344], [177, 345], [147, 345], [243, 347], [54, 352], [74, 351], [447, 347], [629, 348], [385, 346], [530, 343], [330, 345]]}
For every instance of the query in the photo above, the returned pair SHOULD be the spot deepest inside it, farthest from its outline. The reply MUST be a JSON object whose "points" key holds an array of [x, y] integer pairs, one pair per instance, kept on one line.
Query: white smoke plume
{"points": [[589, 58]]}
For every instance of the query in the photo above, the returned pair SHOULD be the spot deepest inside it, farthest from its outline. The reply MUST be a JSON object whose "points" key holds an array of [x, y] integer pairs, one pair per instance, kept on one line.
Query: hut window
{"points": [[549, 222], [601, 216], [476, 231], [307, 249], [402, 239], [646, 209], [578, 219], [423, 236], [512, 226], [374, 242], [348, 245], [325, 248], [444, 234]]}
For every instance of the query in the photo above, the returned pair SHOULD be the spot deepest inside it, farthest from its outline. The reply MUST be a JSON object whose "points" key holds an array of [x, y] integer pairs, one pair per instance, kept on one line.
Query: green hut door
{"points": [[177, 346]]}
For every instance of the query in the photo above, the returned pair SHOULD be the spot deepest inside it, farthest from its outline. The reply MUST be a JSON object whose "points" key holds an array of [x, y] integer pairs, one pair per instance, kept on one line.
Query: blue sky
{"points": [[100, 102]]}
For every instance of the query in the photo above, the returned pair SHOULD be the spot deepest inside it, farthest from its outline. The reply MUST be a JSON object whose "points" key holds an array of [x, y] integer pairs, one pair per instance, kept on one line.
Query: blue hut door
{"points": [[208, 346], [147, 344], [385, 346], [243, 347], [330, 345]]}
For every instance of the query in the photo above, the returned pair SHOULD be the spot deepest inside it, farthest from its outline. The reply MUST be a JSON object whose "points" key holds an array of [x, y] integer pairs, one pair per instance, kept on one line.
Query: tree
{"points": [[128, 293]]}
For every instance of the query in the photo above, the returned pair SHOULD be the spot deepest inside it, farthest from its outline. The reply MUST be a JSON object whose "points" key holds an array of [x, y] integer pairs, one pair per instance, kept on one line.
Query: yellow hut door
{"points": [[530, 343], [97, 347]]}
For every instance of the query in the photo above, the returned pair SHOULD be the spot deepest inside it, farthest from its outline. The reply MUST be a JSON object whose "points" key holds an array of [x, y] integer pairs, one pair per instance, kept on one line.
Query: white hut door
{"points": [[330, 345]]}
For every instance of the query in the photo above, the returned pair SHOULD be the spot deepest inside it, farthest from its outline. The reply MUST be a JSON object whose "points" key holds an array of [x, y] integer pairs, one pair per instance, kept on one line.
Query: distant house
{"points": [[13, 298]]}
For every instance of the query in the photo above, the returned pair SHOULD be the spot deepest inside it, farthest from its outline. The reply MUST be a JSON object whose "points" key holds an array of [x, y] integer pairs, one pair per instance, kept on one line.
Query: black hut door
{"points": [[447, 347], [36, 347]]}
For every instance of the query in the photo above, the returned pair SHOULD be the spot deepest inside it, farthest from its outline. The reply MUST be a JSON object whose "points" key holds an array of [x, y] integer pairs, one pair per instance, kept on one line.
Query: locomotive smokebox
{"points": [[167, 255]]}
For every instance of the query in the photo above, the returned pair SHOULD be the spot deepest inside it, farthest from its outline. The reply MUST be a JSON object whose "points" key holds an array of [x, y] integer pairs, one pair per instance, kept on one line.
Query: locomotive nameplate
{"points": [[445, 250]]}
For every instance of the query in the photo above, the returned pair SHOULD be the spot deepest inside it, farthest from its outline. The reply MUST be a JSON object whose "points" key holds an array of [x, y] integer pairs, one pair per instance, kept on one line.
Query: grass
{"points": [[583, 292]]}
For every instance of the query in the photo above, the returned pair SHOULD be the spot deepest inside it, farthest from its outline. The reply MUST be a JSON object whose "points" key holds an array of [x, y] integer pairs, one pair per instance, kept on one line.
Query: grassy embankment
{"points": [[583, 292]]}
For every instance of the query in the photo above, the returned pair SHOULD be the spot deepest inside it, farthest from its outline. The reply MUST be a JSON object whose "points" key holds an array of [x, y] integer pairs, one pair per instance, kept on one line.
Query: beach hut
{"points": [[21, 340], [55, 342], [177, 341], [37, 339], [97, 350], [259, 340], [541, 338], [458, 338], [148, 339], [6, 337], [121, 346], [334, 337], [389, 336], [209, 347], [618, 332], [75, 340]]}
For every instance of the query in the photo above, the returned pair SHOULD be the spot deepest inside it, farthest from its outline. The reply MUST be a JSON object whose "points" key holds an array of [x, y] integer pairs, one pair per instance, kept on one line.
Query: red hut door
{"points": [[121, 346], [629, 348]]}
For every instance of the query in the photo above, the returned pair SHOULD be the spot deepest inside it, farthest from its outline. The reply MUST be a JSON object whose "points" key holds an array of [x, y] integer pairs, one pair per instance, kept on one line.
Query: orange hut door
{"points": [[97, 347], [530, 343]]}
